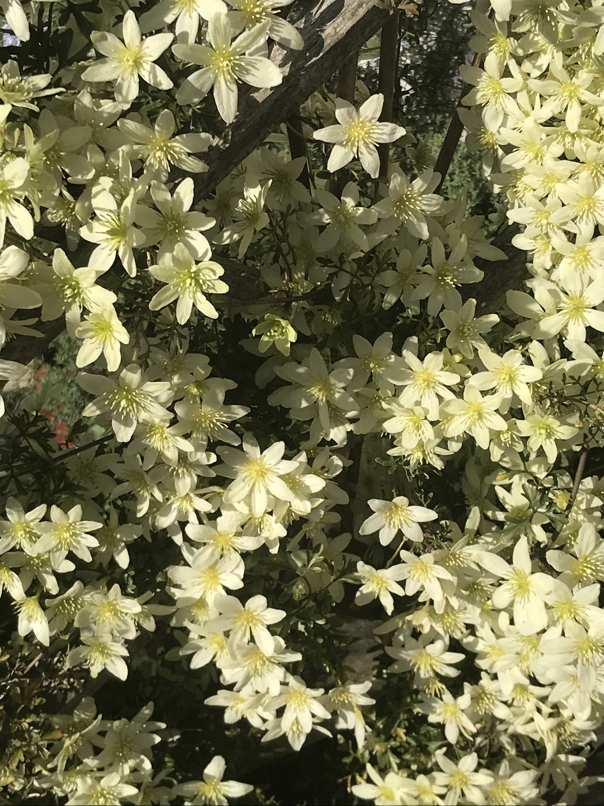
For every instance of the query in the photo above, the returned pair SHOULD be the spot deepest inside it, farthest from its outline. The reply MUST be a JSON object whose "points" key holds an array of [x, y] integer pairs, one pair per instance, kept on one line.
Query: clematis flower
{"points": [[13, 177], [160, 149], [130, 401], [522, 588], [188, 282], [357, 133], [224, 63], [102, 332], [175, 223], [126, 61], [212, 790], [342, 217], [391, 516], [187, 14], [379, 584], [255, 474]]}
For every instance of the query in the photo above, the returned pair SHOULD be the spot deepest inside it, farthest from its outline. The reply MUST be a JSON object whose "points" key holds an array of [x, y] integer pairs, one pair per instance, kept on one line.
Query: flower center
{"points": [[131, 60], [254, 11], [396, 516], [359, 132], [224, 62]]}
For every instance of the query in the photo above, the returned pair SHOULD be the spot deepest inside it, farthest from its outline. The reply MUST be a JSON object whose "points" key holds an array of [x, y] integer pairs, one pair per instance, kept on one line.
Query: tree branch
{"points": [[389, 51], [453, 135], [347, 78]]}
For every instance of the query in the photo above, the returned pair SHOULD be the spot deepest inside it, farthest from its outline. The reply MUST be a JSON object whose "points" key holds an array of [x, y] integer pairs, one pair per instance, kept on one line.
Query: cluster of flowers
{"points": [[515, 588], [115, 762]]}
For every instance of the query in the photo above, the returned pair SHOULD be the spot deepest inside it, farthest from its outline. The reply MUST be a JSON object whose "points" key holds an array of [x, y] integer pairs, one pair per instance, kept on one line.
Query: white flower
{"points": [[206, 577], [112, 612], [133, 399], [395, 515], [128, 60], [76, 289], [245, 703], [346, 701], [318, 394], [16, 18], [188, 282], [409, 424], [511, 788], [566, 93], [224, 64], [13, 177], [114, 538], [275, 330], [357, 134], [21, 529], [587, 564], [474, 415], [423, 573], [248, 217], [255, 474], [522, 588], [262, 670], [301, 704], [492, 91], [9, 371], [212, 791], [342, 217], [13, 262], [128, 743], [392, 790], [113, 230], [175, 223], [16, 90], [409, 203], [32, 618], [108, 788], [207, 420], [207, 645], [182, 501], [508, 375], [426, 381], [465, 331], [67, 532], [584, 256], [380, 584], [100, 652], [426, 659], [580, 646], [160, 149], [450, 712], [187, 13], [248, 14], [577, 309], [41, 566], [245, 622], [544, 431], [438, 281], [283, 174], [102, 333], [461, 778]]}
